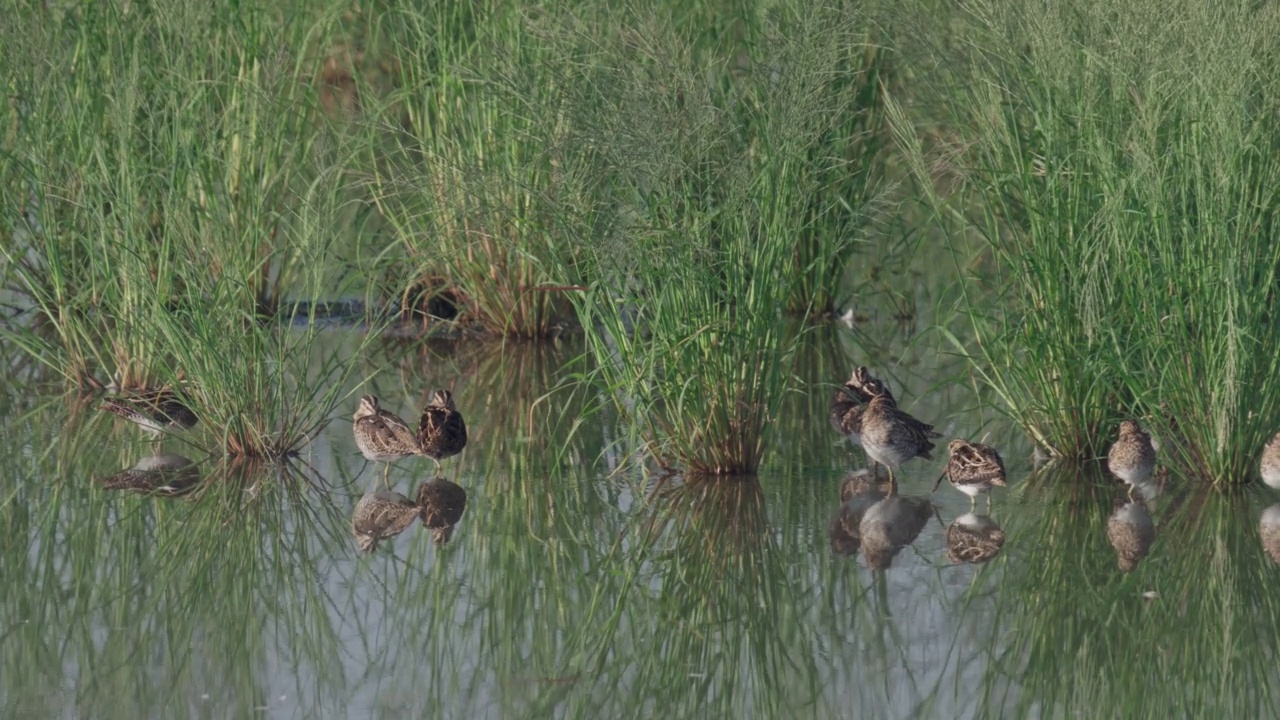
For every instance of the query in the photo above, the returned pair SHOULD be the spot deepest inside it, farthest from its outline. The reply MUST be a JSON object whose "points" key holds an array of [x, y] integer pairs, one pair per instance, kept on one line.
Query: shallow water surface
{"points": [[576, 586]]}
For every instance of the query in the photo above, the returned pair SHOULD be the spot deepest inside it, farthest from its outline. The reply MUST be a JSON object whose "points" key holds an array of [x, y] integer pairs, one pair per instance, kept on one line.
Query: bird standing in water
{"points": [[1132, 457], [380, 515], [156, 411], [441, 431], [382, 436], [890, 436], [972, 468]]}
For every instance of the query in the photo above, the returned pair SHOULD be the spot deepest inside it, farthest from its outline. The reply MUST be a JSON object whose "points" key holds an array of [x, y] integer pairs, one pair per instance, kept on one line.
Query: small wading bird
{"points": [[850, 402], [442, 503], [156, 411], [382, 436], [1132, 457], [441, 430], [972, 468], [1270, 466], [380, 515], [889, 435]]}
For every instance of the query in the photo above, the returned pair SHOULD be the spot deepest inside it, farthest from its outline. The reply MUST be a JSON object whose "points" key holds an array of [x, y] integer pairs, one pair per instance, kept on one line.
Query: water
{"points": [[577, 587]]}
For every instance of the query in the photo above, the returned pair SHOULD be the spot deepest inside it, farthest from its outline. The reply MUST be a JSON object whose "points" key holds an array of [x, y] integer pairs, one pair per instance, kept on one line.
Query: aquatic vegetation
{"points": [[1186, 571], [480, 185], [183, 193], [688, 288], [1125, 187]]}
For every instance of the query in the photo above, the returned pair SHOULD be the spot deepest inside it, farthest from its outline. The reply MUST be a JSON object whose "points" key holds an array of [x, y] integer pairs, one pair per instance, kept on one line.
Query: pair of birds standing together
{"points": [[383, 437], [864, 411]]}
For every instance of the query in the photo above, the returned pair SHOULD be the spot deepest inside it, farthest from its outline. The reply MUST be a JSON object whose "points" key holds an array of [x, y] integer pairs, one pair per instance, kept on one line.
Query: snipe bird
{"points": [[156, 411], [441, 430], [382, 436], [972, 468], [380, 515], [850, 403], [1132, 457], [890, 436], [1270, 466], [441, 504]]}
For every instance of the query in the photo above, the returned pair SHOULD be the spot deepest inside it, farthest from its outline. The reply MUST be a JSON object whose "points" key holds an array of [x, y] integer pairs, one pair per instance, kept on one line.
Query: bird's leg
{"points": [[973, 503], [386, 482], [937, 484], [437, 462]]}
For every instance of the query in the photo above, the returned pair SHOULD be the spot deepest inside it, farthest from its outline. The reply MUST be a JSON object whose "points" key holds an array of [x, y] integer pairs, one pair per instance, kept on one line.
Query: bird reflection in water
{"points": [[1270, 532], [1130, 529], [163, 475], [861, 490], [442, 503], [974, 538], [891, 524]]}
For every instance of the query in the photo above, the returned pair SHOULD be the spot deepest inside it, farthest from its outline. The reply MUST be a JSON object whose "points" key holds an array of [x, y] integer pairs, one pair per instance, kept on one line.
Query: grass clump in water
{"points": [[710, 182], [1126, 161], [477, 187], [171, 197]]}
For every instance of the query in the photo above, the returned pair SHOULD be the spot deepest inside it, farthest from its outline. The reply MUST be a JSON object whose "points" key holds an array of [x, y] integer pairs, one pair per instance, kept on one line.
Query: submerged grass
{"points": [[1124, 165]]}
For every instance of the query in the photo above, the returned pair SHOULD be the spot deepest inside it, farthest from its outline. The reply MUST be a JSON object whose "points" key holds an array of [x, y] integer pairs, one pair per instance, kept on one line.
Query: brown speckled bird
{"points": [[1132, 457], [441, 430], [1270, 465], [382, 436], [156, 411], [441, 504], [892, 437], [850, 403], [380, 515], [972, 468]]}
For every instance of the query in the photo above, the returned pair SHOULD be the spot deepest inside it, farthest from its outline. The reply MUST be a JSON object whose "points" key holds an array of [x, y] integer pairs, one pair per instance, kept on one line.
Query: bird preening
{"points": [[383, 437]]}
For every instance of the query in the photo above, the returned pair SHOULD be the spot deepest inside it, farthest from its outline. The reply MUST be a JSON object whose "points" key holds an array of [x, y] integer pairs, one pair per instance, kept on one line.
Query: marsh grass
{"points": [[185, 191], [478, 187], [709, 163], [1124, 163]]}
